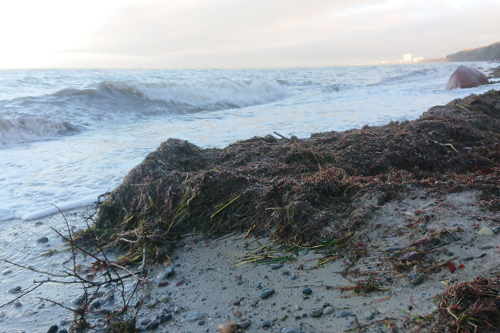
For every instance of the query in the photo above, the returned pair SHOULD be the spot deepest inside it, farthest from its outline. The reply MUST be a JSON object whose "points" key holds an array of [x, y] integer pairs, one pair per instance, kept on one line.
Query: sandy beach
{"points": [[221, 279]]}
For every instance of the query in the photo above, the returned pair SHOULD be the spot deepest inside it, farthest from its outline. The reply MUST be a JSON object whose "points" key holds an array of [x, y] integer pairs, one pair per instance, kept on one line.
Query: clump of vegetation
{"points": [[471, 306], [302, 191]]}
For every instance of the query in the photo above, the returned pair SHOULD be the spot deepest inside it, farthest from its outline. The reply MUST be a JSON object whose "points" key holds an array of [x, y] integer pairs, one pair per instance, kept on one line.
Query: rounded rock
{"points": [[328, 310], [152, 325], [266, 323], [316, 313], [165, 317], [289, 330], [244, 324], [201, 322], [227, 327], [79, 300], [52, 329], [42, 240], [415, 278], [15, 289], [368, 315], [167, 273], [145, 322], [307, 291], [345, 313], [266, 293], [152, 303]]}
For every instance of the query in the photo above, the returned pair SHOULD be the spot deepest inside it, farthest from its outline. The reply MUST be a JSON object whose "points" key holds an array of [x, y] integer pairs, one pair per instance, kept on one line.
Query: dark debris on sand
{"points": [[303, 191]]}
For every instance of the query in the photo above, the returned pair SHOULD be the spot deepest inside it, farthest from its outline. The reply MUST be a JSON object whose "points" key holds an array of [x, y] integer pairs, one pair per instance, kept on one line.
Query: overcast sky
{"points": [[237, 33]]}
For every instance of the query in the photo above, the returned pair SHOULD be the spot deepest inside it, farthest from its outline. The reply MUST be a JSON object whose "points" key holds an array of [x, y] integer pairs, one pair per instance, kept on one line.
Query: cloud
{"points": [[262, 33]]}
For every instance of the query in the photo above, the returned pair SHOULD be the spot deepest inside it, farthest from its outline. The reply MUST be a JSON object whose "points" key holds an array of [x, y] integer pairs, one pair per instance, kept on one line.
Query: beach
{"points": [[357, 230], [221, 279]]}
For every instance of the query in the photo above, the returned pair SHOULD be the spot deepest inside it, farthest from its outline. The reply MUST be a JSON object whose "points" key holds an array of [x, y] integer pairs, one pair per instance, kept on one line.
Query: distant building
{"points": [[418, 59], [407, 57]]}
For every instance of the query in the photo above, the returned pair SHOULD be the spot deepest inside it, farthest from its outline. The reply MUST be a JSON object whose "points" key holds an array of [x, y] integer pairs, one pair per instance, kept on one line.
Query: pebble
{"points": [[266, 293], [293, 276], [415, 278], [304, 252], [277, 266], [52, 329], [42, 240], [328, 310], [79, 300], [227, 327], [289, 330], [145, 322], [307, 291], [165, 317], [180, 282], [15, 289], [239, 283], [167, 273], [486, 231], [152, 325], [344, 313], [238, 301], [316, 313], [152, 303], [201, 322], [266, 323], [368, 314], [192, 316], [6, 271], [244, 324]]}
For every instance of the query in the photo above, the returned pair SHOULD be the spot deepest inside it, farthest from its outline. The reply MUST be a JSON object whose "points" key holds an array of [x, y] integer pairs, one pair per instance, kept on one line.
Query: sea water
{"points": [[68, 136]]}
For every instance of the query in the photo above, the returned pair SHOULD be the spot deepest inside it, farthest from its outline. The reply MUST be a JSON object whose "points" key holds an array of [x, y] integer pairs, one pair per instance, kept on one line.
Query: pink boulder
{"points": [[466, 77]]}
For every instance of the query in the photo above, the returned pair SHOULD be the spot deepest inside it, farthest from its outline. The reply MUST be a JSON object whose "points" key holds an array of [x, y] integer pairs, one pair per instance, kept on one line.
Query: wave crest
{"points": [[29, 129], [175, 96]]}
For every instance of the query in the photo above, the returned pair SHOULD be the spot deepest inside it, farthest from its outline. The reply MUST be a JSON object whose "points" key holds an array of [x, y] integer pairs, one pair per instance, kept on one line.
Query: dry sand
{"points": [[205, 284], [211, 270]]}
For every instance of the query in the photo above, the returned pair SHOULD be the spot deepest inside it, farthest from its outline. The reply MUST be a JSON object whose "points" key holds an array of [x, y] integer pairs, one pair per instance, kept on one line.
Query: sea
{"points": [[68, 136]]}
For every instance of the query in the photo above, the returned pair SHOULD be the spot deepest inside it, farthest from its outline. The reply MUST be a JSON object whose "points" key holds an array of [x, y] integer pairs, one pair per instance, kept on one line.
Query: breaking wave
{"points": [[29, 129], [174, 97], [406, 77]]}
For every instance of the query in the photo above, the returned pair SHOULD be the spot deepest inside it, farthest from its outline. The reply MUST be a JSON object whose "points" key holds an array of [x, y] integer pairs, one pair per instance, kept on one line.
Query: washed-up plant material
{"points": [[471, 306], [303, 191]]}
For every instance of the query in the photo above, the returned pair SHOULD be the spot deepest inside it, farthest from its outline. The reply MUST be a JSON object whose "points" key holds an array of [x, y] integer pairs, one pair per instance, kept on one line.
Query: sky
{"points": [[179, 34]]}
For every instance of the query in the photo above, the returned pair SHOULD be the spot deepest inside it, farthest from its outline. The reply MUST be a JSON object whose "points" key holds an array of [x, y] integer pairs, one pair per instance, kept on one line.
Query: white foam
{"points": [[206, 94], [63, 206], [28, 129]]}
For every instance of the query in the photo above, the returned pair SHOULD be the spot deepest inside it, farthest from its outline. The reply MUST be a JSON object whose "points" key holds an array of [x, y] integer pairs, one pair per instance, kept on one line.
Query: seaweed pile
{"points": [[303, 191]]}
